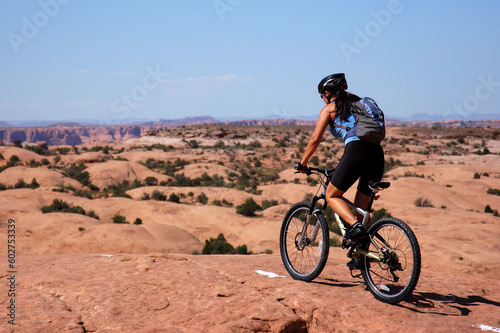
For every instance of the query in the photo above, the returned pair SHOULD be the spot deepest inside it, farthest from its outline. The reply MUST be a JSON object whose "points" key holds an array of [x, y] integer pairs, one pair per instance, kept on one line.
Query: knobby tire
{"points": [[304, 262], [404, 261]]}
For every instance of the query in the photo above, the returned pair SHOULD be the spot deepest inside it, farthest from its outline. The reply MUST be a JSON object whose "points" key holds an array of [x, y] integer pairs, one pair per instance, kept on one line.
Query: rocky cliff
{"points": [[72, 135]]}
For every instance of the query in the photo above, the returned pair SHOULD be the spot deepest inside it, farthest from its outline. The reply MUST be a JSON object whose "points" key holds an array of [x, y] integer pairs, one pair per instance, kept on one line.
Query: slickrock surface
{"points": [[186, 293]]}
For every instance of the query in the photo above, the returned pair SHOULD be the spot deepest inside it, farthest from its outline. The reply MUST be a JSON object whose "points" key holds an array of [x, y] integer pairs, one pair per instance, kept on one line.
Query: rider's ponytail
{"points": [[344, 101]]}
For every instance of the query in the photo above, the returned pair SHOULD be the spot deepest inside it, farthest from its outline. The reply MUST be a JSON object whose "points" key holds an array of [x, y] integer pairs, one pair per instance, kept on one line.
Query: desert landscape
{"points": [[111, 231]]}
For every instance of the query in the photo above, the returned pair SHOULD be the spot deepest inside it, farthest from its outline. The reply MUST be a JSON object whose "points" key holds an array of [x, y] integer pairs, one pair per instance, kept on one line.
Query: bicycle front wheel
{"points": [[396, 275], [304, 248]]}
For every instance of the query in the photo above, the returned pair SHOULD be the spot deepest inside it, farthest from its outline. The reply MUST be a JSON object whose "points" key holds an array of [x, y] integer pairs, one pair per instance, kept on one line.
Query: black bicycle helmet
{"points": [[333, 83]]}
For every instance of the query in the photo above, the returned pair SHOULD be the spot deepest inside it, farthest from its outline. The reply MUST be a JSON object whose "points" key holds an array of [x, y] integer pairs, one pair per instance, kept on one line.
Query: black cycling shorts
{"points": [[363, 160]]}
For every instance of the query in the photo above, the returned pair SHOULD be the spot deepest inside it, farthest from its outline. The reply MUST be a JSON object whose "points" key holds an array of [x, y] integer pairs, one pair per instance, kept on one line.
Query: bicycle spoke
{"points": [[304, 260], [396, 274]]}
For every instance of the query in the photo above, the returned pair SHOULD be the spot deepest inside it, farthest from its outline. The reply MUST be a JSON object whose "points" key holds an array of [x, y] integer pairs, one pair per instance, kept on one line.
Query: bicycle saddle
{"points": [[379, 185]]}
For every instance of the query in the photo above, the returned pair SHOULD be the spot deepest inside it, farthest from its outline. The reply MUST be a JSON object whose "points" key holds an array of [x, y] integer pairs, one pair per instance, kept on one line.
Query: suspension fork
{"points": [[309, 215]]}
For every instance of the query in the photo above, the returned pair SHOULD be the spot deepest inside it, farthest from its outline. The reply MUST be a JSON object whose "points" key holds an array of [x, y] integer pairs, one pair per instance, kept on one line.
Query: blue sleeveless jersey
{"points": [[340, 132]]}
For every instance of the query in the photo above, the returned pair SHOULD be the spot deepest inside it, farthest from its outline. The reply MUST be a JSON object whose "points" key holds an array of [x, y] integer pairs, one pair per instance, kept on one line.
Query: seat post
{"points": [[370, 203]]}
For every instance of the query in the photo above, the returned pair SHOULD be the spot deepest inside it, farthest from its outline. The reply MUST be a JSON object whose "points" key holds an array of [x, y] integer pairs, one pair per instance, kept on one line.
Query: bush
{"points": [[266, 204], [477, 176], [20, 184], [77, 172], [91, 213], [34, 184], [242, 249], [227, 203], [219, 245], [151, 181], [174, 198], [202, 198], [248, 208], [120, 219], [138, 221], [379, 214], [157, 195], [421, 202], [64, 207], [493, 191]]}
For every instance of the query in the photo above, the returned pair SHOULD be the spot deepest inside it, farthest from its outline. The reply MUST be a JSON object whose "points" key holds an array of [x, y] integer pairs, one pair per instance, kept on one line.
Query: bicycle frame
{"points": [[342, 228]]}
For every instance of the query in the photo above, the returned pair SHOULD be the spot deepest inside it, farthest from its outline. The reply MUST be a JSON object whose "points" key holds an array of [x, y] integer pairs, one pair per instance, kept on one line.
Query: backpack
{"points": [[370, 122]]}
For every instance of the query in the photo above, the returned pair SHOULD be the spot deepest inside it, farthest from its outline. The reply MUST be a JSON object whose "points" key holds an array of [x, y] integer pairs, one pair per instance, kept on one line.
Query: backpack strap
{"points": [[357, 109]]}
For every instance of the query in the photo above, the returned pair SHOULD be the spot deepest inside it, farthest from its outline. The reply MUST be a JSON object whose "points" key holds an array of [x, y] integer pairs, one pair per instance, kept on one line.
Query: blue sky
{"points": [[123, 60]]}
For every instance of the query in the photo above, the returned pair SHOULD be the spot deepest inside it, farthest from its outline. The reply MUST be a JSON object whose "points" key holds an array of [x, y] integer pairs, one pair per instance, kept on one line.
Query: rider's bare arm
{"points": [[326, 114]]}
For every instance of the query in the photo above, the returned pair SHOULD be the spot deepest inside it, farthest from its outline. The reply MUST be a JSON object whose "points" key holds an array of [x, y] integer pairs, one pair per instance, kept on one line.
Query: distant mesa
{"points": [[73, 133]]}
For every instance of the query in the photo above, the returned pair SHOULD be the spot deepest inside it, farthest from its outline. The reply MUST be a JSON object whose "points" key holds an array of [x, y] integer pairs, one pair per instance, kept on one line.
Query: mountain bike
{"points": [[388, 256]]}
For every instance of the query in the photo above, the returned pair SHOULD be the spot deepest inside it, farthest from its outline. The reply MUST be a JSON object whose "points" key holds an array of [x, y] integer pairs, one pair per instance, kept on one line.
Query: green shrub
{"points": [[242, 249], [266, 204], [219, 245], [202, 198], [174, 198], [77, 172], [92, 214], [494, 191], [151, 181], [138, 221], [157, 195], [34, 184], [20, 184], [227, 203], [120, 219], [60, 206], [421, 202], [248, 208], [379, 214]]}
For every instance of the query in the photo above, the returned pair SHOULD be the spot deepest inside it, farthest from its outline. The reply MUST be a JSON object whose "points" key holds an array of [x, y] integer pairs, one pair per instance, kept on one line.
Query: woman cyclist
{"points": [[361, 160]]}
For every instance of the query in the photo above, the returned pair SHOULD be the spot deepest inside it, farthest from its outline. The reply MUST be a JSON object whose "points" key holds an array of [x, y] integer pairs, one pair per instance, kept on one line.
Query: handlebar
{"points": [[308, 171]]}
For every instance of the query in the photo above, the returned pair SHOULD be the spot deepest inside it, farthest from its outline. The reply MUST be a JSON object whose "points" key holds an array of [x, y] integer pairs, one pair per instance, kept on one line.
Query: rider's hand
{"points": [[300, 168]]}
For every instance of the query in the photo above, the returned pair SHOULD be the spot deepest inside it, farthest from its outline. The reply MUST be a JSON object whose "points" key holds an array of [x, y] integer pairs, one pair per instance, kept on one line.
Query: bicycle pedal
{"points": [[347, 243]]}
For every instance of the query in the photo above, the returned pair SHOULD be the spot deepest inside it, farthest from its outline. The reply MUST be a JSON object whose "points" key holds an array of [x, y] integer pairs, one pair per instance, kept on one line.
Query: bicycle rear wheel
{"points": [[304, 258], [396, 276]]}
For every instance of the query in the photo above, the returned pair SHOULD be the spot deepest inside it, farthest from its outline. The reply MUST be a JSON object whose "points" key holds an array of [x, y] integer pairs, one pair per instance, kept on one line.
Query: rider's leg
{"points": [[337, 204], [361, 200]]}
